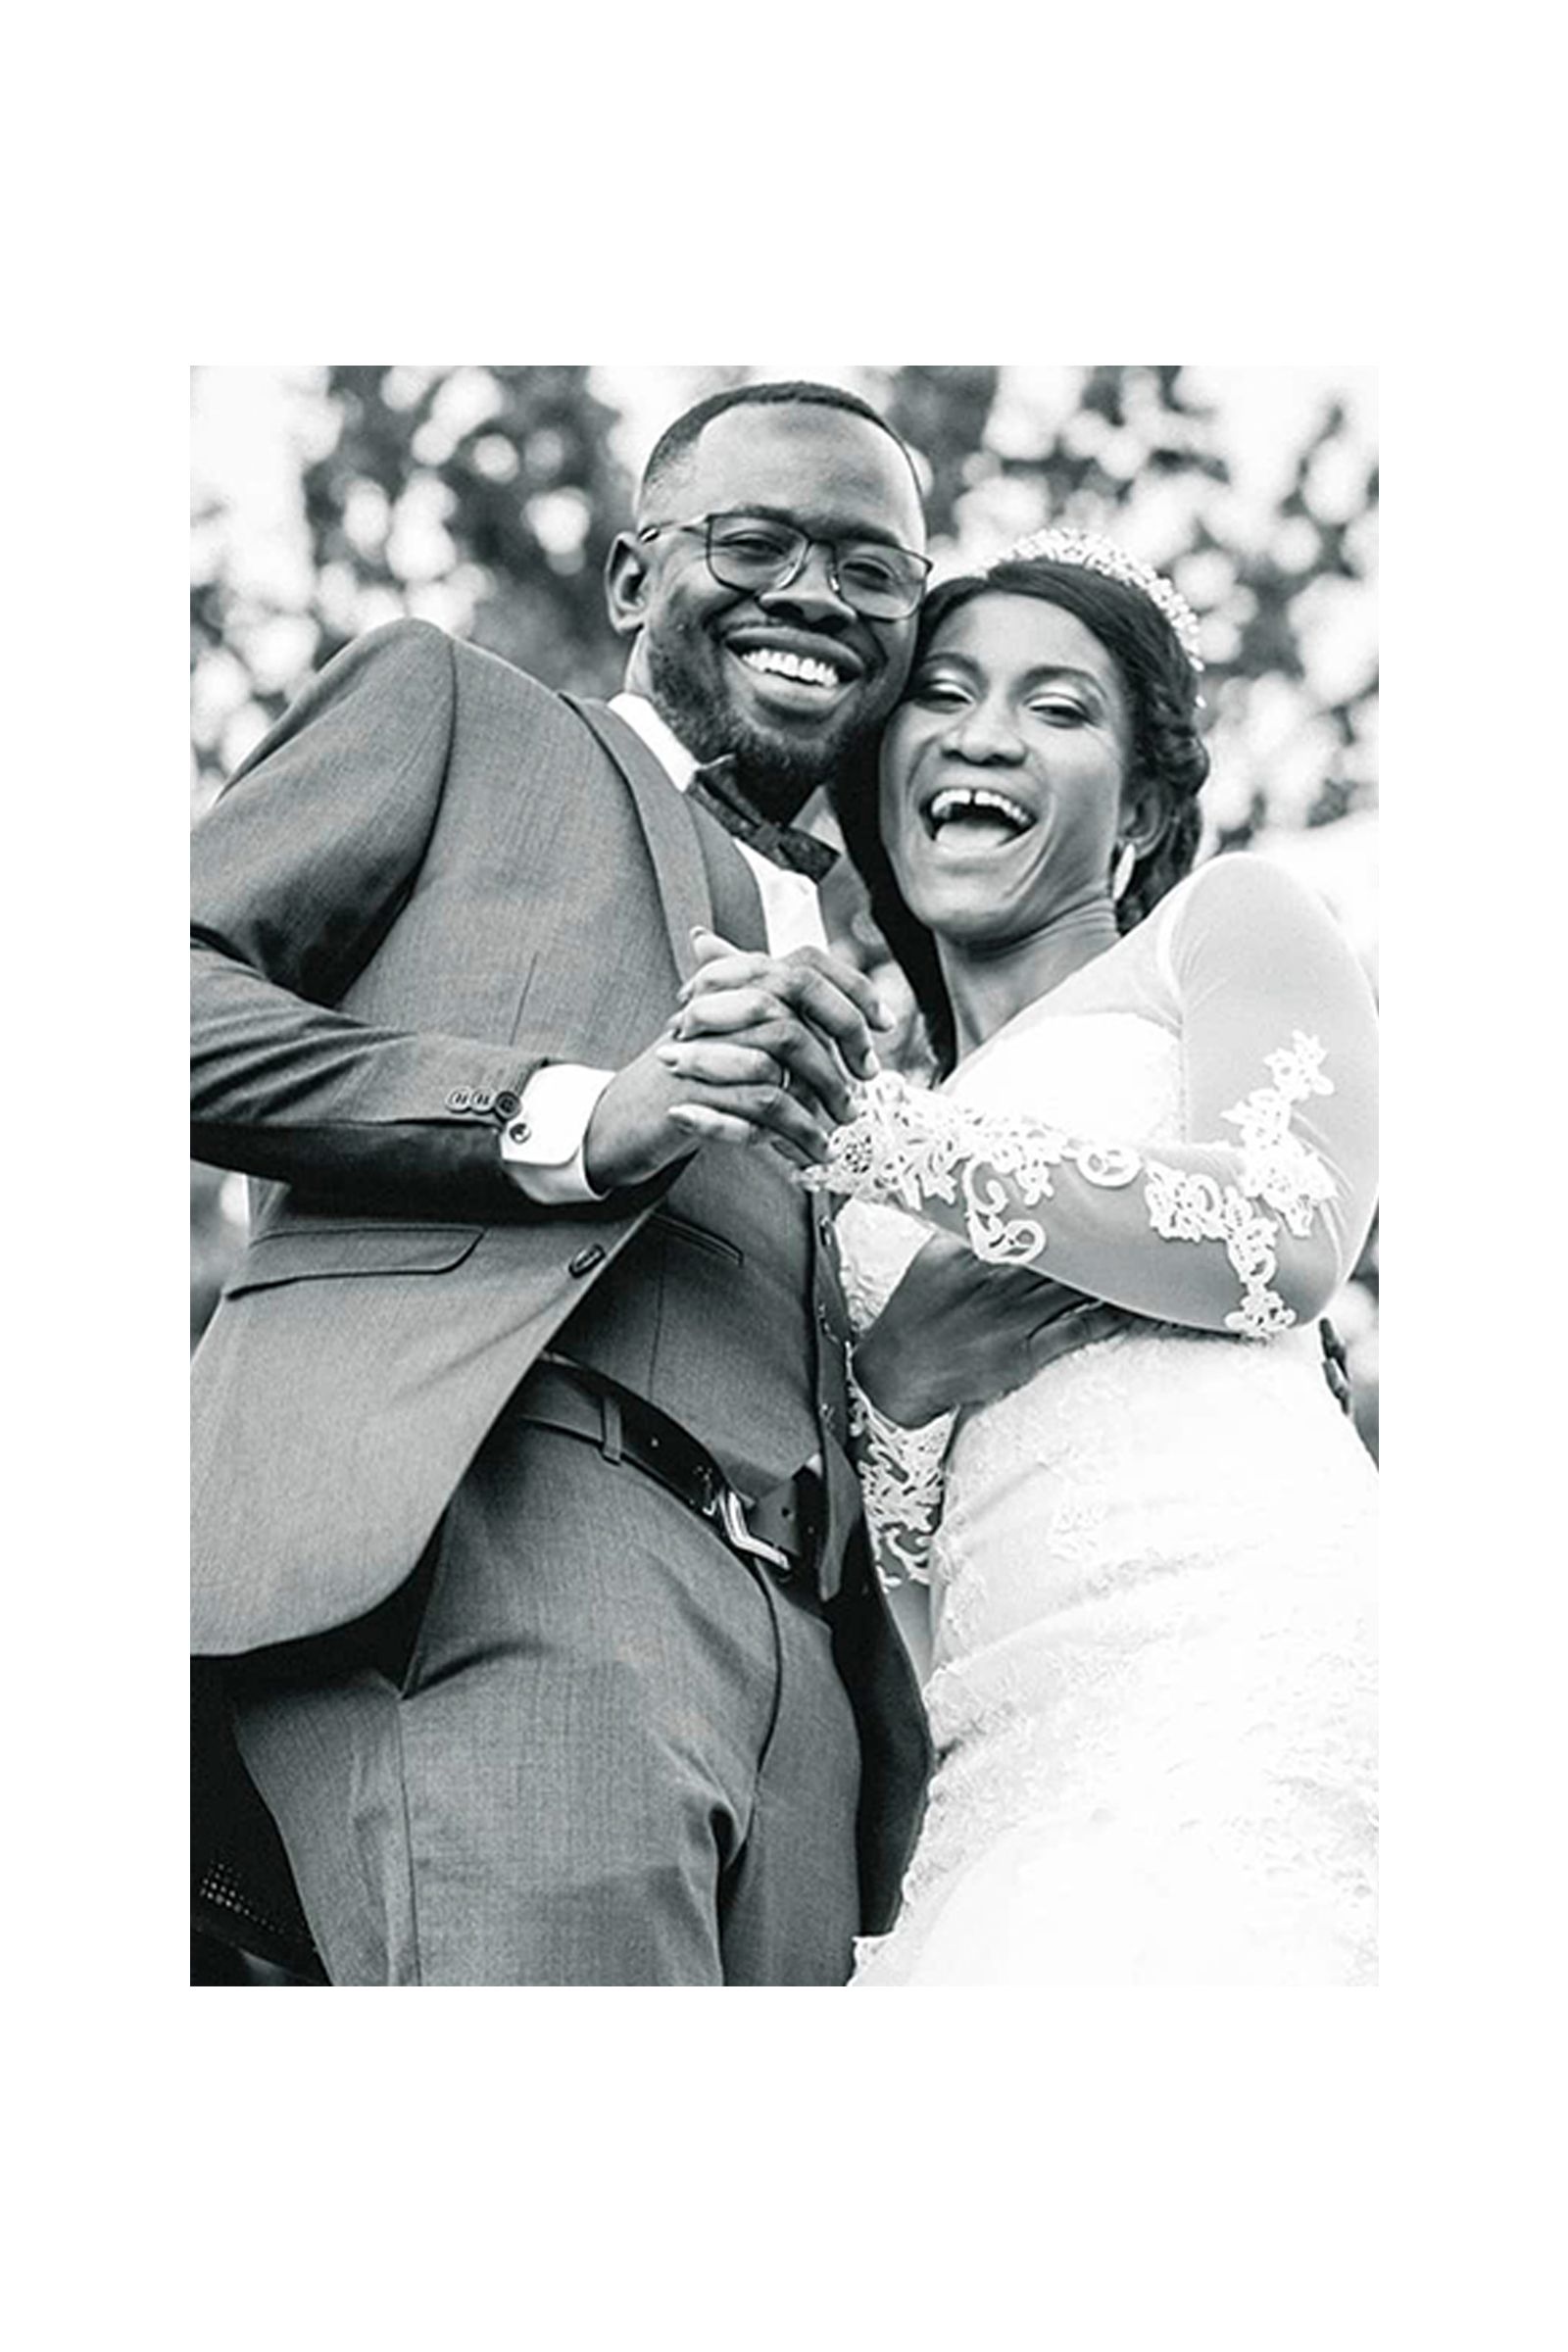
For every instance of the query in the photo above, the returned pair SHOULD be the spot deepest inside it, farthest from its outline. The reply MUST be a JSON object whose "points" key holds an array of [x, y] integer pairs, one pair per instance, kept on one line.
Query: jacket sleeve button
{"points": [[506, 1102], [460, 1097], [586, 1259], [481, 1101]]}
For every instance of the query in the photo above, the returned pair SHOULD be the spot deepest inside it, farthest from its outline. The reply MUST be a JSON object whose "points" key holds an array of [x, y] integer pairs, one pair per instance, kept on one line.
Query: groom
{"points": [[522, 1519]]}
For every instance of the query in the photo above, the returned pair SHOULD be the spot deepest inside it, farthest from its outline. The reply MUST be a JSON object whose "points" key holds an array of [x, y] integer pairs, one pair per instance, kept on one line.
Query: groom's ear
{"points": [[626, 584]]}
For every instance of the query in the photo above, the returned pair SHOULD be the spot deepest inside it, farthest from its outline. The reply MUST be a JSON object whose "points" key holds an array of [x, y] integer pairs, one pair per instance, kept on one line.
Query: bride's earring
{"points": [[1121, 873]]}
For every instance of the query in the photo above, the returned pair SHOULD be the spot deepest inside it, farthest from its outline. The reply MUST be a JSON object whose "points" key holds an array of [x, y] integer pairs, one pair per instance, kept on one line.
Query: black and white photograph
{"points": [[784, 1285]]}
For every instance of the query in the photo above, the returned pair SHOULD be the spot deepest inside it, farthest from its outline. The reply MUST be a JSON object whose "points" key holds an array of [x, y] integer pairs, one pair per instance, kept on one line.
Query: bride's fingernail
{"points": [[871, 1066], [670, 1056]]}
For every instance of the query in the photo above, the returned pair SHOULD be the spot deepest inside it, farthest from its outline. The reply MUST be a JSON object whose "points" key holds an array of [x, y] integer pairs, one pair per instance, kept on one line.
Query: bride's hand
{"points": [[958, 1332]]}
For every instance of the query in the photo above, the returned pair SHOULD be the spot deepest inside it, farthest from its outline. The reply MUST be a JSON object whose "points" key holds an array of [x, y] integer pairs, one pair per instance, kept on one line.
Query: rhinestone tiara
{"points": [[1064, 545]]}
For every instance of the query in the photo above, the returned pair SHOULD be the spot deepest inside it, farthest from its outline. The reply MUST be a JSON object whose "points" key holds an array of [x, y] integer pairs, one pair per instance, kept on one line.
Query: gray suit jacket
{"points": [[430, 879]]}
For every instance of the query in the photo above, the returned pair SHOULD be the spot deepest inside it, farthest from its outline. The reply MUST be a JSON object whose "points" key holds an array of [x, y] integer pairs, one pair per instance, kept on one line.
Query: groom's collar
{"points": [[662, 741]]}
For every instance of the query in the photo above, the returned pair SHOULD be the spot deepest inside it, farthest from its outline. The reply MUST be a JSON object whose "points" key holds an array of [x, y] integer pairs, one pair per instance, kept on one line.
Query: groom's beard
{"points": [[776, 773]]}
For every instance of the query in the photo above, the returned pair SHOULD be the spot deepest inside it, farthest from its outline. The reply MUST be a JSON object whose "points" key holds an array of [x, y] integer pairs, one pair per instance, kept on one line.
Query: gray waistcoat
{"points": [[721, 1311]]}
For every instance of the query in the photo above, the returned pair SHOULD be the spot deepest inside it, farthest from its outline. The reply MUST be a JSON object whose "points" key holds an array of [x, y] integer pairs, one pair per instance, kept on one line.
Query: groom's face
{"points": [[791, 681]]}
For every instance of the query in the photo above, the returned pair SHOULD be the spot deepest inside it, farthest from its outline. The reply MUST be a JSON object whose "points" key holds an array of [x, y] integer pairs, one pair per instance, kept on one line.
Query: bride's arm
{"points": [[1257, 1217], [903, 1482]]}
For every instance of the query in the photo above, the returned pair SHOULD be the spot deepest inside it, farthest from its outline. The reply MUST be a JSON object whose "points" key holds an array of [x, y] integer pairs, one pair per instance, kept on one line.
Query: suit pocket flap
{"points": [[683, 1230], [307, 1253]]}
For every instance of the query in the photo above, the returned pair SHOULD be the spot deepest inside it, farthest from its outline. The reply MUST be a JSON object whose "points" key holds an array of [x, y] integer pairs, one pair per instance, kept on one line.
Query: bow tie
{"points": [[714, 788]]}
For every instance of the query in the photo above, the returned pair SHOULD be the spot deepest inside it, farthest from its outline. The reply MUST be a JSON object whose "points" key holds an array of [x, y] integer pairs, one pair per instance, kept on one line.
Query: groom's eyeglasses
{"points": [[876, 579]]}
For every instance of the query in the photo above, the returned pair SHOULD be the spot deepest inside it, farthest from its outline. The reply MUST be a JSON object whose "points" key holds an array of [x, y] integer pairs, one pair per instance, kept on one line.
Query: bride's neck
{"points": [[989, 981]]}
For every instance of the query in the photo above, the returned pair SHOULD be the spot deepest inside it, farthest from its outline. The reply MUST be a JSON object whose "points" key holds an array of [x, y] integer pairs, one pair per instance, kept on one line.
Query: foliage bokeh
{"points": [[486, 499]]}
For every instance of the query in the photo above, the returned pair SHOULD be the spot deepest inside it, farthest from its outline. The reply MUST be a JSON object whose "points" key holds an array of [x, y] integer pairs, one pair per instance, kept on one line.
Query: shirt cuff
{"points": [[542, 1146]]}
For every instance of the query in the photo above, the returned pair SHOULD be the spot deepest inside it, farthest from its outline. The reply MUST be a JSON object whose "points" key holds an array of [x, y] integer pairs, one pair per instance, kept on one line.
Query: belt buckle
{"points": [[731, 1512]]}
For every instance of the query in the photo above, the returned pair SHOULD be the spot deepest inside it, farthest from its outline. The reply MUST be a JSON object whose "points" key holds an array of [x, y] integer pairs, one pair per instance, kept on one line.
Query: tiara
{"points": [[1064, 545]]}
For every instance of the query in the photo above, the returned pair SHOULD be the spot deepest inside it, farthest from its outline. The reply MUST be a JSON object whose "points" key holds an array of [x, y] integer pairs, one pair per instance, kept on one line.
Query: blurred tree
{"points": [[942, 413], [499, 480]]}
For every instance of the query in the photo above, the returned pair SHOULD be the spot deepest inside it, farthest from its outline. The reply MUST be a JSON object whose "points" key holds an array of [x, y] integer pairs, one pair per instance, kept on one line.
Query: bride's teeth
{"points": [[959, 798]]}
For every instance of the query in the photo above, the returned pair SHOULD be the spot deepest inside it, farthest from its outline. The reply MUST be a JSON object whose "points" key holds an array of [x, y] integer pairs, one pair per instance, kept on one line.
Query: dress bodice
{"points": [[1167, 1093]]}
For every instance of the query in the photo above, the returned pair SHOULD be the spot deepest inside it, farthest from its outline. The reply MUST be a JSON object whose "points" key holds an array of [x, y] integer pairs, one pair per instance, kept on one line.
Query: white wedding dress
{"points": [[1153, 1688]]}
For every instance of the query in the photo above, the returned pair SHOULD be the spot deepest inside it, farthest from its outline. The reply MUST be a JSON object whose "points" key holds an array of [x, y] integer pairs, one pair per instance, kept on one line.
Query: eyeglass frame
{"points": [[701, 525]]}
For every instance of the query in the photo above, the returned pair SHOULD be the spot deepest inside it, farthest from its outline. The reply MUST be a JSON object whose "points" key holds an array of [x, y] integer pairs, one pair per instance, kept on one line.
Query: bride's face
{"points": [[1003, 771]]}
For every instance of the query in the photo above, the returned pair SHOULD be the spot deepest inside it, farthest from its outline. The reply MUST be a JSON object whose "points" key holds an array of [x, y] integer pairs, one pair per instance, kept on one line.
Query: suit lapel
{"points": [[666, 828]]}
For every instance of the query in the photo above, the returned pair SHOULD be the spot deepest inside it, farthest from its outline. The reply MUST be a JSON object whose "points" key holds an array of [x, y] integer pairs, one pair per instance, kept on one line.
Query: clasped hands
{"points": [[761, 1049]]}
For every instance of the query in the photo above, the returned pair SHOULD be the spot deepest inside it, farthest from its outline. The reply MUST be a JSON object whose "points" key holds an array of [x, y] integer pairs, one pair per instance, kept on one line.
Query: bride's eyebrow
{"points": [[1051, 672], [939, 656]]}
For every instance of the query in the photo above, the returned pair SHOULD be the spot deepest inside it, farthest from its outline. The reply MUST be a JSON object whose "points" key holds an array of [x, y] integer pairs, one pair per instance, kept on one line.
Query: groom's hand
{"points": [[757, 1050], [958, 1332], [652, 1114], [1336, 1367]]}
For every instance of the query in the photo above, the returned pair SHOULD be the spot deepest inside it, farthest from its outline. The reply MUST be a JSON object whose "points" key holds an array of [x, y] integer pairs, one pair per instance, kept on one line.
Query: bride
{"points": [[1150, 1563]]}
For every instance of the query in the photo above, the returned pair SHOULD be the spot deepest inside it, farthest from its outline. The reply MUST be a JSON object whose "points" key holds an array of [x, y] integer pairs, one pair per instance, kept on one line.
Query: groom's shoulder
{"points": [[413, 644], [407, 672]]}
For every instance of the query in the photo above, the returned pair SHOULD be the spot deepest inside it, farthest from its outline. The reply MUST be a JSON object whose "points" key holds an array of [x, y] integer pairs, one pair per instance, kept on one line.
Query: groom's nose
{"points": [[811, 594]]}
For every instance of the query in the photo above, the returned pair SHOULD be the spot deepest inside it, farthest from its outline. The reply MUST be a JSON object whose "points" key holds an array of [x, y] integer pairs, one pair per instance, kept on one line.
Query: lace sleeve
{"points": [[900, 1473], [1279, 1049]]}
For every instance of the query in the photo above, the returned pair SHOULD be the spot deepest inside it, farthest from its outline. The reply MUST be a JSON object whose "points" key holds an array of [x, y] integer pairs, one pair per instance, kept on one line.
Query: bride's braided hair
{"points": [[1167, 752]]}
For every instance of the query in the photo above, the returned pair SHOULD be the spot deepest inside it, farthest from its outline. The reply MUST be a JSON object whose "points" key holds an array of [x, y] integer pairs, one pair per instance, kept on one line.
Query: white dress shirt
{"points": [[558, 1102]]}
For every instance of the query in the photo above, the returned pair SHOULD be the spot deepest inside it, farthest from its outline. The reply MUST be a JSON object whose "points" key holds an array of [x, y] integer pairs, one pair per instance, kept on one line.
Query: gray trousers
{"points": [[588, 1746]]}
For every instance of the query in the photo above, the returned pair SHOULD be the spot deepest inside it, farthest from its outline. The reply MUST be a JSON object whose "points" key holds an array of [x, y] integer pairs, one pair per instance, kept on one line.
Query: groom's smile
{"points": [[801, 675]]}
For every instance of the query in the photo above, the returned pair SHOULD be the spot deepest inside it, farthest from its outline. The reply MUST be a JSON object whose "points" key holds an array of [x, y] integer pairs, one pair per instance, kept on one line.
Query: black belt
{"points": [[782, 1528]]}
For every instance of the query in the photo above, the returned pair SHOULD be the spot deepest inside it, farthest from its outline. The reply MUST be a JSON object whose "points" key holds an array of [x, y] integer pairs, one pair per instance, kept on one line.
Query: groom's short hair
{"points": [[677, 440]]}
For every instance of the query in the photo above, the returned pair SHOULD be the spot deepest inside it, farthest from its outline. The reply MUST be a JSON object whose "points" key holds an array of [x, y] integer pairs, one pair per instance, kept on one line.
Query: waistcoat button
{"points": [[586, 1259]]}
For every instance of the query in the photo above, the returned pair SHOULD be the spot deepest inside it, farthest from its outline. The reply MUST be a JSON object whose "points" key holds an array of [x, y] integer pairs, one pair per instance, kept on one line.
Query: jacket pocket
{"points": [[681, 1229], [307, 1253]]}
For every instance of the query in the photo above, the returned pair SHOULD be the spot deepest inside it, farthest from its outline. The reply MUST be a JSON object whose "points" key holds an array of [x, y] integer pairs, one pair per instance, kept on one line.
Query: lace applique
{"points": [[900, 1473], [1277, 1167], [908, 1148]]}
